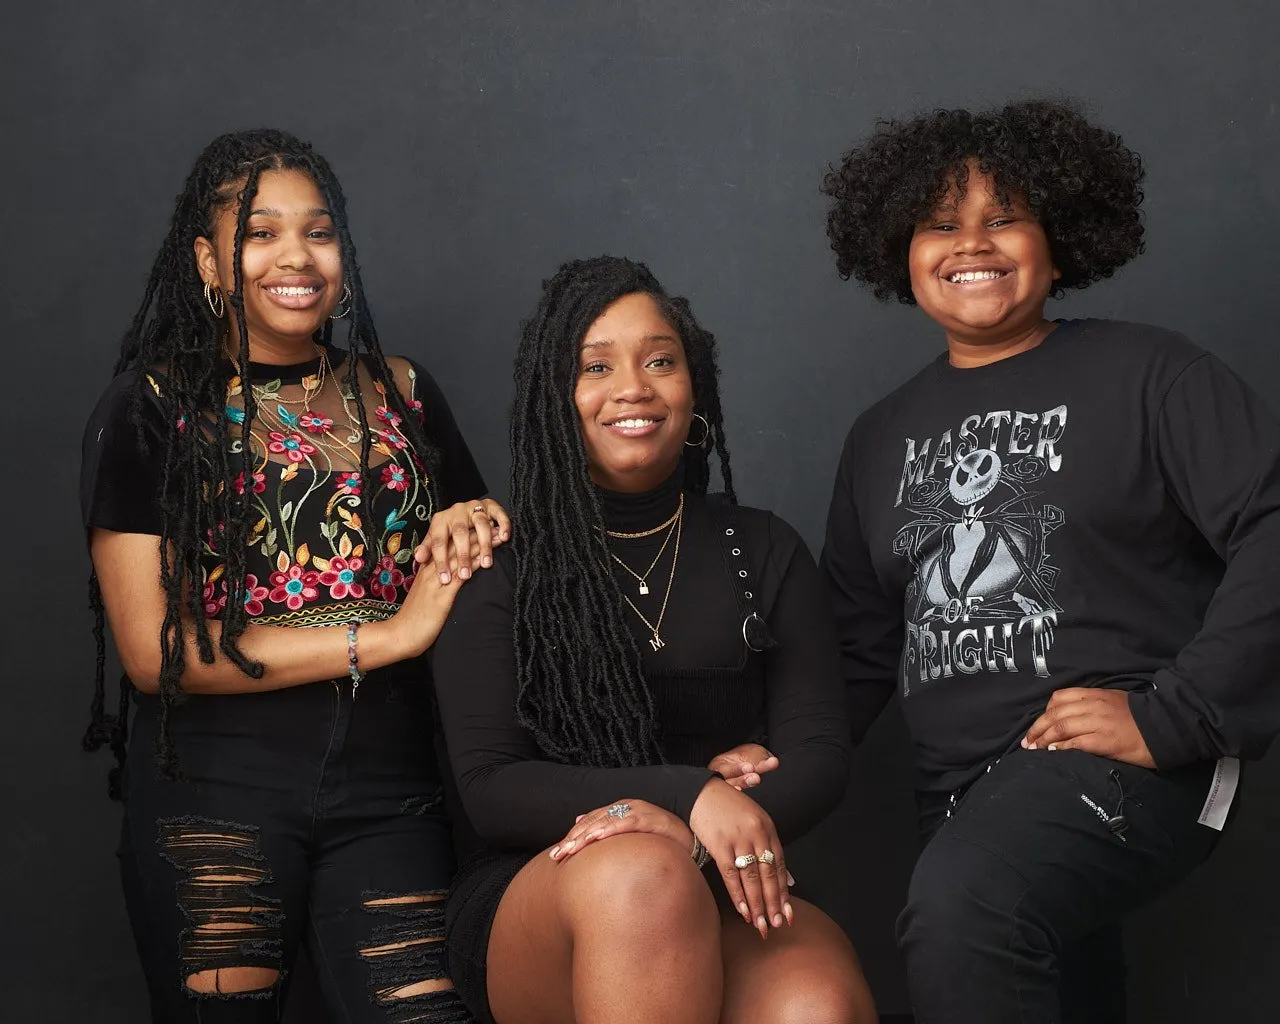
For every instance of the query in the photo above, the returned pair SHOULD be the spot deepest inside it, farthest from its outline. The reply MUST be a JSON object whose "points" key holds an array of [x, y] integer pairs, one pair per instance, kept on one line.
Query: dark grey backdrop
{"points": [[480, 144]]}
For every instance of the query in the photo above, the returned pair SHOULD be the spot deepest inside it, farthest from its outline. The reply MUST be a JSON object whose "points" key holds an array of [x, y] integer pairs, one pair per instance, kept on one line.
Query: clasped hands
{"points": [[461, 539], [729, 824]]}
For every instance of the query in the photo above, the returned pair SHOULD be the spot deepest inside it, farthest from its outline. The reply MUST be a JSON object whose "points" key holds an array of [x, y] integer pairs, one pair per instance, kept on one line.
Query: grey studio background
{"points": [[481, 143]]}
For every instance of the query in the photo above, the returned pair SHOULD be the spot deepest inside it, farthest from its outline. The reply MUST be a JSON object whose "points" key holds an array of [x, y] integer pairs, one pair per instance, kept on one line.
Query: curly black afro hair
{"points": [[1081, 182]]}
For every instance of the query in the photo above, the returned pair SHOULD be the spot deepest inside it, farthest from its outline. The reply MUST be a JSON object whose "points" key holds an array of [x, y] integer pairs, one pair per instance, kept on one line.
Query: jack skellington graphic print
{"points": [[981, 597]]}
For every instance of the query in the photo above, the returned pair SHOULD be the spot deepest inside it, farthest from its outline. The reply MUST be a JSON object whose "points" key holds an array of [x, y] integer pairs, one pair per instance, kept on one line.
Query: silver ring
{"points": [[766, 857], [619, 811], [744, 861]]}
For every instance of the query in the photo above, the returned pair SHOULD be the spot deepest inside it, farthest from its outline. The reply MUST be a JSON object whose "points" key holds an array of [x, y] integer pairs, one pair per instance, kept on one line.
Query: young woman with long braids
{"points": [[244, 477], [638, 628]]}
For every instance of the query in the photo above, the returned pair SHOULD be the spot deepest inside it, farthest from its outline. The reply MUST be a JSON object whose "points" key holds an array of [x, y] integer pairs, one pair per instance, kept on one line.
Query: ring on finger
{"points": [[744, 860], [619, 811], [477, 508], [766, 857]]}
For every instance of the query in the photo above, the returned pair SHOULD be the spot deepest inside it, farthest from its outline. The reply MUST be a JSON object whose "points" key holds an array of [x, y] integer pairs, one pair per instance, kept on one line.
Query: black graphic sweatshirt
{"points": [[1102, 510]]}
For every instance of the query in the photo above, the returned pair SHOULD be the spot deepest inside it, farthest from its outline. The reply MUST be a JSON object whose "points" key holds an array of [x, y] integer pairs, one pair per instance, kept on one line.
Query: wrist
{"points": [[380, 644], [700, 802]]}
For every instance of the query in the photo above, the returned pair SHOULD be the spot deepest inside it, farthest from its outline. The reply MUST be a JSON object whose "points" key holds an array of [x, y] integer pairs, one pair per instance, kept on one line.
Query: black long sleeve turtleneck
{"points": [[706, 703]]}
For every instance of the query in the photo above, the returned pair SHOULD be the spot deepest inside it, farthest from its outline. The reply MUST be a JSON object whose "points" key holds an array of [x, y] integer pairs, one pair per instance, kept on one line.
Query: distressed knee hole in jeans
{"points": [[233, 947], [408, 970]]}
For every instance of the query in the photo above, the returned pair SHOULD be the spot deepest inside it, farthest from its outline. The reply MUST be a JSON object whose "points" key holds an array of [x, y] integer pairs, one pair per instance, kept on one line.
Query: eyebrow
{"points": [[603, 342], [991, 205], [315, 211]]}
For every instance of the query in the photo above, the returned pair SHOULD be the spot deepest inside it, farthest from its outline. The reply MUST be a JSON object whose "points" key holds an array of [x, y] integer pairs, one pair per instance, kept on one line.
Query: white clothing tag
{"points": [[1222, 791]]}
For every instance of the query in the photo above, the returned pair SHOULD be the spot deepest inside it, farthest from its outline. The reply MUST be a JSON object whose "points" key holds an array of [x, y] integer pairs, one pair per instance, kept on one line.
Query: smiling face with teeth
{"points": [[634, 395], [291, 264], [983, 270]]}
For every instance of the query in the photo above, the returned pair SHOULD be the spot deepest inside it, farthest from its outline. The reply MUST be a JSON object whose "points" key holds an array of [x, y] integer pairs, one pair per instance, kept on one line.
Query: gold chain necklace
{"points": [[655, 627], [312, 386], [644, 579], [649, 533]]}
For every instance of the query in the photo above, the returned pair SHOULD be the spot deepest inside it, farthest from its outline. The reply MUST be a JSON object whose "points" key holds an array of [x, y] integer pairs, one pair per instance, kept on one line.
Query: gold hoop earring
{"points": [[705, 435], [346, 297], [209, 295]]}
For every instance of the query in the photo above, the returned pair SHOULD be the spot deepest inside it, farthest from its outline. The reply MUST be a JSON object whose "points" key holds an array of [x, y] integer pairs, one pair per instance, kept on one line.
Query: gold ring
{"points": [[766, 857], [744, 861]]}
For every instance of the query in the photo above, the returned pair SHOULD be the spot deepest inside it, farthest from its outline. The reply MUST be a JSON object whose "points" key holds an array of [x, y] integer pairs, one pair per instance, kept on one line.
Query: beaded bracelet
{"points": [[353, 658]]}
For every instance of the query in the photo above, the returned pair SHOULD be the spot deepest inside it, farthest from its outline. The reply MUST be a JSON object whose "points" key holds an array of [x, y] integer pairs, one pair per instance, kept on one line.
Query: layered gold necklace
{"points": [[674, 527]]}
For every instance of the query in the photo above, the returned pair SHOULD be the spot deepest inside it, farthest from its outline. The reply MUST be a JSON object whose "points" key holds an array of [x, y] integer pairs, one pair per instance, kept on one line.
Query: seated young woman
{"points": [[635, 629]]}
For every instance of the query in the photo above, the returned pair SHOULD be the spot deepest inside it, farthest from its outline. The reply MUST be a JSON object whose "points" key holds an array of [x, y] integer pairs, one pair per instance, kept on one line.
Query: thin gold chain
{"points": [[655, 628], [649, 533], [308, 393], [644, 580]]}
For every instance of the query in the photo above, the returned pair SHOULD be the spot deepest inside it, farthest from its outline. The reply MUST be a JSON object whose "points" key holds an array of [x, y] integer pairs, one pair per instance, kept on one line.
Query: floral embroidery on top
{"points": [[393, 476], [259, 483], [292, 446], [348, 483], [315, 423], [294, 586], [327, 547]]}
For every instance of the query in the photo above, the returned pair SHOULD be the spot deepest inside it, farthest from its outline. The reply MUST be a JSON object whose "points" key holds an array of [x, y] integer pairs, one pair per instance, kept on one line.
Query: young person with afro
{"points": [[1060, 541]]}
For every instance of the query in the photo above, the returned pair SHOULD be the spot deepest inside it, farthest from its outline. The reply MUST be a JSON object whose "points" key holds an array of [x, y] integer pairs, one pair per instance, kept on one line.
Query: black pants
{"points": [[304, 817], [1014, 910]]}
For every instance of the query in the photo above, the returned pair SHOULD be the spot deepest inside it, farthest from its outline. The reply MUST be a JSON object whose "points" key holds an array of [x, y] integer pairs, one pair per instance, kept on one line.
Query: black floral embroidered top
{"points": [[319, 523]]}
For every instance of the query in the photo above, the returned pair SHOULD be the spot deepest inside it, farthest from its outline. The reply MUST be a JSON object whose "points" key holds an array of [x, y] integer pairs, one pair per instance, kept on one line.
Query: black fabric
{"points": [[121, 468], [1102, 510], [710, 693], [1013, 911], [473, 904], [339, 801], [513, 798]]}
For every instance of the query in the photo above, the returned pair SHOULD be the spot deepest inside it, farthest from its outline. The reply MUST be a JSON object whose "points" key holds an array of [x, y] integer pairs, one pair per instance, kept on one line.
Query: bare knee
{"points": [[822, 999], [805, 975], [645, 883]]}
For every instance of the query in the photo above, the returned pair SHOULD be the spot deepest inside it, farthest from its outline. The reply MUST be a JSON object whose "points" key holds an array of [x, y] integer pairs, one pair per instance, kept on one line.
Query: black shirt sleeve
{"points": [[1218, 447], [511, 795], [121, 468], [869, 624], [805, 717], [460, 478]]}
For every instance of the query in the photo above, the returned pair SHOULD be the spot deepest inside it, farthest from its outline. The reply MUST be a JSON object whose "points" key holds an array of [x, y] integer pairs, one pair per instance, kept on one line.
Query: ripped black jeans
{"points": [[304, 817], [1015, 906]]}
